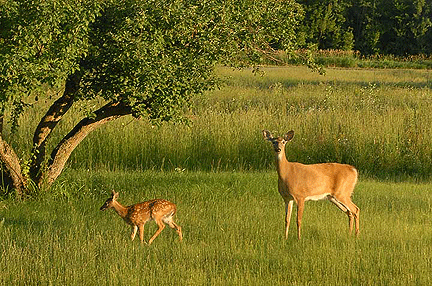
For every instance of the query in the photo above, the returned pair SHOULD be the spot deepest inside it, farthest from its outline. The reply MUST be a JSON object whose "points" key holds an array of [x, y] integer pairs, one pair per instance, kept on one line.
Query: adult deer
{"points": [[299, 183], [159, 210]]}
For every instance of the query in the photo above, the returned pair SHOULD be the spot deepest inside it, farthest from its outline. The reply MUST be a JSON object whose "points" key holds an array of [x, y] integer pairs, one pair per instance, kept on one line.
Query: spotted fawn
{"points": [[159, 210]]}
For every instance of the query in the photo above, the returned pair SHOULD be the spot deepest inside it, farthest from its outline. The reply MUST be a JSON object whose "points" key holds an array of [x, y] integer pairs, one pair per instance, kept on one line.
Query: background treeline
{"points": [[396, 27]]}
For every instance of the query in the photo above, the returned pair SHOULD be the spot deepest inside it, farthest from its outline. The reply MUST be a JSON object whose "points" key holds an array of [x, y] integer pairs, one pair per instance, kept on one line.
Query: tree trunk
{"points": [[12, 164], [49, 122], [64, 149]]}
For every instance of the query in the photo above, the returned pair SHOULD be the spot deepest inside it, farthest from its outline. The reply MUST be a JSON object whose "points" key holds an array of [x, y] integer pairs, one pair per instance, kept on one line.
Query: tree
{"points": [[363, 15], [404, 24], [324, 24], [398, 27], [144, 58]]}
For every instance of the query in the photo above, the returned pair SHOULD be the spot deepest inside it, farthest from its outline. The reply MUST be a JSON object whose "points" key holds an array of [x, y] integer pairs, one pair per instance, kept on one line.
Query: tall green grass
{"points": [[233, 234], [353, 59], [377, 120]]}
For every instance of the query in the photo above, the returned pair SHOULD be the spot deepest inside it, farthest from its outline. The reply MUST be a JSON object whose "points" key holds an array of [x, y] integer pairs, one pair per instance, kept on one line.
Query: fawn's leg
{"points": [[161, 227], [177, 228], [134, 231], [141, 232]]}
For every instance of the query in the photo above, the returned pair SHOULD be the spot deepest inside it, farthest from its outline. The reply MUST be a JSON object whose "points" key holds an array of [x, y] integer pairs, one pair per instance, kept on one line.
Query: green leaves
{"points": [[153, 55], [42, 42]]}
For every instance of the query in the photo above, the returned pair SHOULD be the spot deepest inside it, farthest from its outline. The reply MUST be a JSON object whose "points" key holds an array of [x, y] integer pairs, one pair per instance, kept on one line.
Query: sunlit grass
{"points": [[352, 59], [233, 234], [377, 120]]}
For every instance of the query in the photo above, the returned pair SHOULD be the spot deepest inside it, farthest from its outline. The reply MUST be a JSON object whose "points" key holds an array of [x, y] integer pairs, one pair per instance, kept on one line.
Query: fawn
{"points": [[159, 210]]}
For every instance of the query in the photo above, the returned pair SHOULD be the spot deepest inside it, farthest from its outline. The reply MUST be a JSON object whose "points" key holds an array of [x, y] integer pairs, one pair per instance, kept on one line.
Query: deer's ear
{"points": [[289, 136], [267, 135], [114, 195]]}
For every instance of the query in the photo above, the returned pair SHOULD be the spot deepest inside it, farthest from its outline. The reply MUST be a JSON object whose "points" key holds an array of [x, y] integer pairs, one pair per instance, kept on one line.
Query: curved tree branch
{"points": [[49, 122], [64, 149]]}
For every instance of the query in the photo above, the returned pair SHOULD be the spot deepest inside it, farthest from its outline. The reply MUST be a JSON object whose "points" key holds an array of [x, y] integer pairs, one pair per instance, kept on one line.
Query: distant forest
{"points": [[388, 27]]}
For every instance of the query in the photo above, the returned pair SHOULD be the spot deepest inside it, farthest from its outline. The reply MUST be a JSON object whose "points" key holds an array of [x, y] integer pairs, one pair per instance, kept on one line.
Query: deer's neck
{"points": [[282, 164], [120, 209]]}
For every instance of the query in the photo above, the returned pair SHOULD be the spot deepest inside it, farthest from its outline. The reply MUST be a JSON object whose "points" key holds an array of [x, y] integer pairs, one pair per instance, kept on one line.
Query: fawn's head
{"points": [[278, 142], [109, 202]]}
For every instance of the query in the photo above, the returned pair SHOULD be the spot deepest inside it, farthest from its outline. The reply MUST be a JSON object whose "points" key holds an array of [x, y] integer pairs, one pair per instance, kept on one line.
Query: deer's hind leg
{"points": [[134, 231], [170, 221], [177, 228], [352, 211], [161, 227], [355, 215], [300, 209]]}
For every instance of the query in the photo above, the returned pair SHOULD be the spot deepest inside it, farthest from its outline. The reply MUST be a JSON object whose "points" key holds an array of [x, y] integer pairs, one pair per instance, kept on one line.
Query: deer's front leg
{"points": [[288, 211]]}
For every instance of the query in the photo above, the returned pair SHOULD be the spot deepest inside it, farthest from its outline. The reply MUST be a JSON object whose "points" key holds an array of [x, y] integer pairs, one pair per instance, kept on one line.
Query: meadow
{"points": [[378, 120], [354, 59], [220, 173], [233, 234]]}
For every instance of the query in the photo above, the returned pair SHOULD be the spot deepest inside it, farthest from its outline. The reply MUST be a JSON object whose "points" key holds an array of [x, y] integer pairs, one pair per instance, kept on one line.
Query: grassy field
{"points": [[233, 234], [377, 120], [352, 59], [220, 173]]}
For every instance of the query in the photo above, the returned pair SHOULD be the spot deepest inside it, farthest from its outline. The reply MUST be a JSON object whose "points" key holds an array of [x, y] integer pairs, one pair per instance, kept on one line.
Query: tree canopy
{"points": [[397, 27], [144, 58]]}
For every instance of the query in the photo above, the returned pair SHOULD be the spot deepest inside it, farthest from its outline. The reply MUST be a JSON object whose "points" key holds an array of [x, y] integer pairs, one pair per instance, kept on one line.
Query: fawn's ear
{"points": [[289, 135], [114, 195], [267, 135]]}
